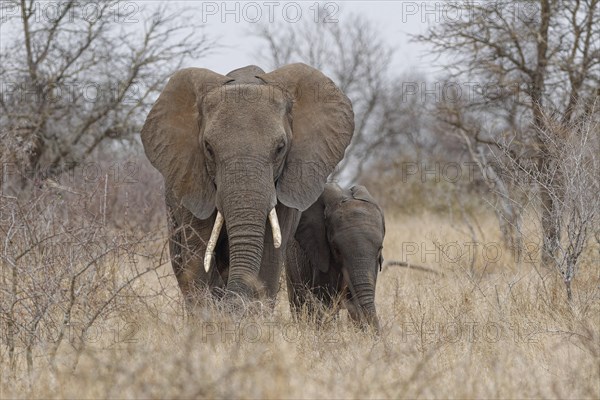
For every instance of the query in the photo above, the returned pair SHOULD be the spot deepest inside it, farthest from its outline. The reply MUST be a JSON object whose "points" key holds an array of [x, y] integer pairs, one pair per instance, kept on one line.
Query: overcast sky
{"points": [[395, 20]]}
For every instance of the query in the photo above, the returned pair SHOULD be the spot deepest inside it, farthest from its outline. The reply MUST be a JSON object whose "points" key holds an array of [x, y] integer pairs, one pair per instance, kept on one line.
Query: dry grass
{"points": [[479, 330]]}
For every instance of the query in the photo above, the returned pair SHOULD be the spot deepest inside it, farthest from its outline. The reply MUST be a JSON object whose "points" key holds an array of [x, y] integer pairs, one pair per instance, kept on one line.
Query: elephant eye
{"points": [[209, 150], [336, 250], [280, 147]]}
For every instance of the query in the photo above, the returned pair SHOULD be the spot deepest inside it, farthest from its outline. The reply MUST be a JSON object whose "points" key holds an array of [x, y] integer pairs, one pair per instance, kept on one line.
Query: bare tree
{"points": [[60, 276], [461, 120], [530, 59], [356, 57], [573, 183], [75, 74]]}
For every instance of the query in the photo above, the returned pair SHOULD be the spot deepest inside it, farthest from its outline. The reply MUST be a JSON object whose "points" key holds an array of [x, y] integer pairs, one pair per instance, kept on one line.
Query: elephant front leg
{"points": [[297, 271], [187, 245]]}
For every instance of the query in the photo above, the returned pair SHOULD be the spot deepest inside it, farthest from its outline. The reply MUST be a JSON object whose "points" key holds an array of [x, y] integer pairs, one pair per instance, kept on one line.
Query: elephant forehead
{"points": [[356, 213], [245, 100]]}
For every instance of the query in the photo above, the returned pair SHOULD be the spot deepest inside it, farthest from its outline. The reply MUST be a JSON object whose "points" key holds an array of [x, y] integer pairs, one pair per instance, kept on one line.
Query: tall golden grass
{"points": [[488, 328]]}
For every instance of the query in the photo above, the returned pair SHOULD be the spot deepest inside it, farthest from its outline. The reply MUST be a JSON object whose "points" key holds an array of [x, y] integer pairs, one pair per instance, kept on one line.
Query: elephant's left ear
{"points": [[322, 127]]}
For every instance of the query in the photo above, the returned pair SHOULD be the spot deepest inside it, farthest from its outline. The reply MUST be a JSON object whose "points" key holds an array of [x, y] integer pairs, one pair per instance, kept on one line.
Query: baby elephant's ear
{"points": [[380, 258], [332, 196], [361, 193]]}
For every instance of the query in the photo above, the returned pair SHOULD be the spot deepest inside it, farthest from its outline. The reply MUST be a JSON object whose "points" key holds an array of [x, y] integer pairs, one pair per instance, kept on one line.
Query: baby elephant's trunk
{"points": [[361, 280]]}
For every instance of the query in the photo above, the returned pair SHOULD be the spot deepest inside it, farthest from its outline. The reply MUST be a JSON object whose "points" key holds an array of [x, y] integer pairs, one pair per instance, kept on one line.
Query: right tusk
{"points": [[275, 228], [212, 242]]}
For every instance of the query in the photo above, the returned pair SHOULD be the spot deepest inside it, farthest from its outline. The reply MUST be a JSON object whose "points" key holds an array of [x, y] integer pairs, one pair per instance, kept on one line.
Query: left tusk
{"points": [[275, 228], [212, 242]]}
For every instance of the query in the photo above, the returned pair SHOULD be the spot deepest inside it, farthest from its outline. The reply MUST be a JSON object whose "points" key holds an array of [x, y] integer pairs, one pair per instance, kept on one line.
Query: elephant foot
{"points": [[363, 320], [240, 306], [218, 293], [370, 326]]}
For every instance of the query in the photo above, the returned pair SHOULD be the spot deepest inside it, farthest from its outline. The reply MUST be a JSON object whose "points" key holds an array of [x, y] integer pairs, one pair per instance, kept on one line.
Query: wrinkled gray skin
{"points": [[242, 144], [337, 253]]}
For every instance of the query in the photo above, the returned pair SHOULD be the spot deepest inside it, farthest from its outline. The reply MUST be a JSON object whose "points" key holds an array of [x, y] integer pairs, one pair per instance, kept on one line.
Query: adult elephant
{"points": [[337, 254], [236, 149]]}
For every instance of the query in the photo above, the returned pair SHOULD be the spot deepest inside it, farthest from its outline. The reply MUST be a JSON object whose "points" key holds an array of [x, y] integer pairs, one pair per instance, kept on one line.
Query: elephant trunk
{"points": [[246, 231], [361, 282], [245, 206]]}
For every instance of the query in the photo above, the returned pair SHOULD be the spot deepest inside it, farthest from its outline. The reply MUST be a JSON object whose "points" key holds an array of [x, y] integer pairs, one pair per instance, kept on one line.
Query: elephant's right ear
{"points": [[172, 138]]}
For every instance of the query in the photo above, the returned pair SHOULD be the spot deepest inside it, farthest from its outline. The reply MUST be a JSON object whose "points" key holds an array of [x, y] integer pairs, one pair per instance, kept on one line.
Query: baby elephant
{"points": [[337, 254]]}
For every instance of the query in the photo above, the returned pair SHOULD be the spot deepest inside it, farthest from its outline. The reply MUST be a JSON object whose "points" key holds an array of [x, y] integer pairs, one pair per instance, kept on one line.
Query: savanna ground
{"points": [[485, 326]]}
